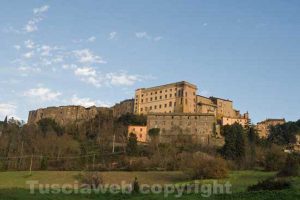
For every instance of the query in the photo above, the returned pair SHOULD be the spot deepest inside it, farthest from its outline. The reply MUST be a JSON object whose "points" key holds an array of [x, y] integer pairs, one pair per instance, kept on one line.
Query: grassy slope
{"points": [[240, 180]]}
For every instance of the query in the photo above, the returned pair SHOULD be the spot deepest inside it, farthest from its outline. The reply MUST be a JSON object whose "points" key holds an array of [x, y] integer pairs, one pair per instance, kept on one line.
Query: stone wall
{"points": [[199, 128], [67, 114]]}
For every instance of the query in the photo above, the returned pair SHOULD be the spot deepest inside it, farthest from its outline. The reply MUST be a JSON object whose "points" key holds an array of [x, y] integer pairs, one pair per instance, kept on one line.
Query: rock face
{"points": [[67, 114], [126, 106], [64, 115]]}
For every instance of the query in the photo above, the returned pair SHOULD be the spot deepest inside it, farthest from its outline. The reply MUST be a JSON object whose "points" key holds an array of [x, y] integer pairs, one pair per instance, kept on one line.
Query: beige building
{"points": [[177, 97], [222, 109], [139, 131], [231, 120], [263, 127], [206, 105], [196, 127]]}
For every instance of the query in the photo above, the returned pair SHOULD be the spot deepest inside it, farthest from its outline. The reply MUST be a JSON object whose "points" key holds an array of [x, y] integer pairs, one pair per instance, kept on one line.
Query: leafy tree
{"points": [[132, 119], [44, 163], [154, 132], [5, 120], [284, 134], [132, 148], [47, 125], [253, 140], [235, 146]]}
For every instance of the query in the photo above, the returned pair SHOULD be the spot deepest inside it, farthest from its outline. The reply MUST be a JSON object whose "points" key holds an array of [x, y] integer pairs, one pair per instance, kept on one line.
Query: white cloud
{"points": [[29, 44], [87, 56], [158, 38], [29, 69], [112, 35], [85, 71], [17, 47], [41, 9], [145, 35], [45, 50], [7, 109], [87, 102], [69, 66], [119, 79], [91, 39], [32, 24], [28, 55], [43, 94], [142, 35]]}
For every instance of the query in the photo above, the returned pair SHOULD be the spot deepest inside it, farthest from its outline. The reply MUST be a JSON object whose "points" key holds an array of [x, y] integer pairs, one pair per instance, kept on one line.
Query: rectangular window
{"points": [[155, 98], [170, 95], [155, 107], [170, 104]]}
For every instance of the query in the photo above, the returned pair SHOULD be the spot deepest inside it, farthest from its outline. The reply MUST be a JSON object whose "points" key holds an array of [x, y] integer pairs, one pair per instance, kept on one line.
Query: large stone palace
{"points": [[178, 106]]}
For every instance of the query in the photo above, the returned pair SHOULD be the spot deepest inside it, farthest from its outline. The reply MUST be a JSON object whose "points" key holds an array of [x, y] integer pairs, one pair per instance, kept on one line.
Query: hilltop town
{"points": [[174, 108]]}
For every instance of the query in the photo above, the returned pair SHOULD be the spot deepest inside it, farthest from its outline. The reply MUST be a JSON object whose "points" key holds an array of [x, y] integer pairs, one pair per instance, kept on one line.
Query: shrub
{"points": [[202, 166], [139, 164], [291, 167], [274, 159], [270, 184], [91, 179]]}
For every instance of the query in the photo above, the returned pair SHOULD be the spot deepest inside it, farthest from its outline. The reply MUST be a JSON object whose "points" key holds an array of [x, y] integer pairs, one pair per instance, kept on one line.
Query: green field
{"points": [[13, 185]]}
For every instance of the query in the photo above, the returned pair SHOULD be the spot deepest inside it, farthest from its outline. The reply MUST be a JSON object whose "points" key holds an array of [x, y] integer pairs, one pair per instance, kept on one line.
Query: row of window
{"points": [[201, 131], [159, 106], [188, 123]]}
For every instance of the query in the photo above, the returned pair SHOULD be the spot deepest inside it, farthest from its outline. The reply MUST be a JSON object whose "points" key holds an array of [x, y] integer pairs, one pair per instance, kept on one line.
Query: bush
{"points": [[270, 184], [91, 179], [274, 159], [291, 167], [202, 166], [139, 164]]}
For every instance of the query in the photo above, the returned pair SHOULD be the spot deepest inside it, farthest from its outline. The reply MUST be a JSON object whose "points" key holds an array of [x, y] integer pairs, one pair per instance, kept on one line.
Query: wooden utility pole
{"points": [[30, 168], [94, 162], [114, 138], [21, 155]]}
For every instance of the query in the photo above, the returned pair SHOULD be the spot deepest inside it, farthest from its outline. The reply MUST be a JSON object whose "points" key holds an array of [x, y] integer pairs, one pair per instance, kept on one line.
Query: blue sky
{"points": [[98, 52]]}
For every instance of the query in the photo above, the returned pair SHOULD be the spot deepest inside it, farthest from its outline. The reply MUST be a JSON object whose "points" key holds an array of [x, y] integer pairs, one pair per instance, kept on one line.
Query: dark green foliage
{"points": [[44, 163], [252, 142], [47, 125], [270, 184], [135, 186], [234, 147], [285, 133], [131, 119], [292, 166], [154, 132], [132, 147], [274, 159]]}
